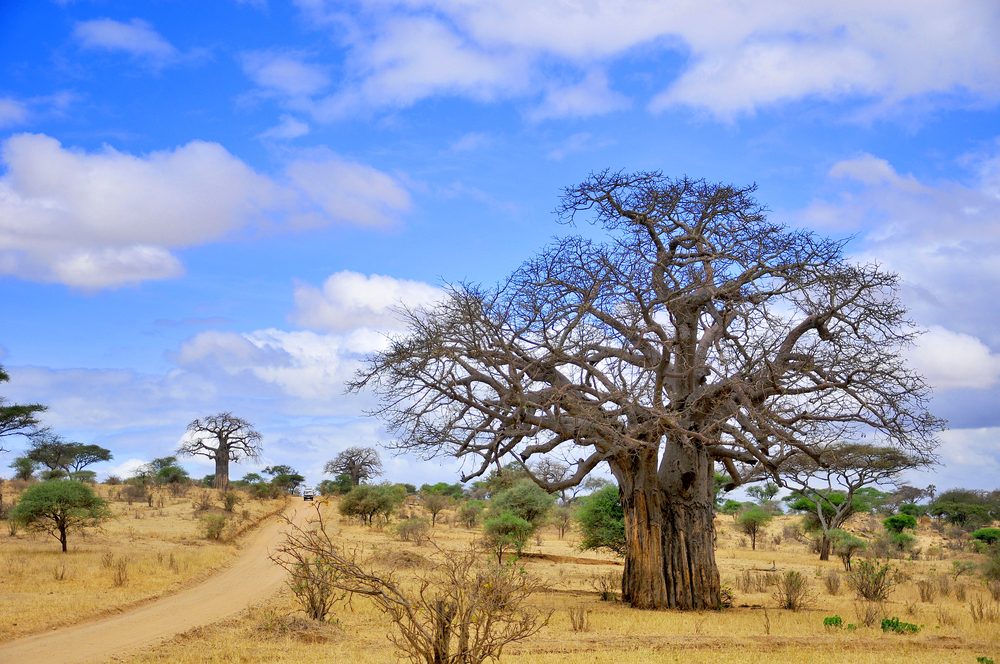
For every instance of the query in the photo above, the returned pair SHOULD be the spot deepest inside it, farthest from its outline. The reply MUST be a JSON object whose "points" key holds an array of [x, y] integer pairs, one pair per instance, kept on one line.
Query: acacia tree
{"points": [[698, 332], [17, 419], [62, 457], [224, 438], [832, 479], [358, 463]]}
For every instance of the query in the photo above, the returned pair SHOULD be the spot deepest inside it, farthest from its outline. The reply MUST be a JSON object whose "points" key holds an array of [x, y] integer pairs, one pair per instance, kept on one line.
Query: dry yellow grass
{"points": [[754, 631], [162, 546]]}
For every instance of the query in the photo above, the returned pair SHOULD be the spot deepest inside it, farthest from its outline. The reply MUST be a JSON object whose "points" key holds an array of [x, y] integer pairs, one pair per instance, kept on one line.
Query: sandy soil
{"points": [[251, 578]]}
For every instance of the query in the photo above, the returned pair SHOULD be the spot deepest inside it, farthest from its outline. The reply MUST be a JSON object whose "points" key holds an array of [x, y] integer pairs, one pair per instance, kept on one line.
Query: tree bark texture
{"points": [[222, 470], [669, 529]]}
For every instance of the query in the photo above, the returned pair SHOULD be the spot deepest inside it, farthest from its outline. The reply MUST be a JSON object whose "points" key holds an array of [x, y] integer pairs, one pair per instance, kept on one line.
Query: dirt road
{"points": [[251, 578]]}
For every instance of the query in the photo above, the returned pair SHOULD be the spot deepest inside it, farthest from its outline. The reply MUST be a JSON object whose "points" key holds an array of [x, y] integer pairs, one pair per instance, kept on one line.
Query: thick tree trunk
{"points": [[669, 529], [824, 547], [222, 471]]}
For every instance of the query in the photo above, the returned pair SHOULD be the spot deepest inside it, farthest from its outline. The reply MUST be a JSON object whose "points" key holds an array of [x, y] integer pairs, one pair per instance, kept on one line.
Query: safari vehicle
{"points": [[308, 494]]}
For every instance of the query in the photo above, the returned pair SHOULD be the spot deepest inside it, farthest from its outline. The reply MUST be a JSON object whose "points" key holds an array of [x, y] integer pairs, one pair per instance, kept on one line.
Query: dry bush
{"points": [[832, 582], [927, 589], [960, 592], [213, 526], [607, 585], [868, 612], [399, 559], [414, 530], [462, 611], [311, 579], [944, 584], [579, 619], [983, 611], [945, 618], [872, 580], [269, 623], [202, 502], [59, 572], [750, 581], [792, 591], [107, 559], [119, 572], [993, 585]]}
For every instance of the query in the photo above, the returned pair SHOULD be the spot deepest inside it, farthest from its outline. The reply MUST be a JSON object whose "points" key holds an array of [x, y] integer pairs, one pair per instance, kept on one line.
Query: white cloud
{"points": [[285, 73], [287, 128], [953, 360], [106, 218], [735, 58], [591, 96], [109, 218], [943, 238], [12, 112], [136, 37], [969, 459], [349, 300], [347, 191], [471, 141]]}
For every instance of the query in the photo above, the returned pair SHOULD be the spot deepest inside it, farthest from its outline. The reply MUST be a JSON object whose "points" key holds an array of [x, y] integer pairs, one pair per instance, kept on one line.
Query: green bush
{"points": [[846, 546], [470, 512], [525, 499], [213, 525], [988, 535], [413, 530], [368, 502], [872, 580], [897, 523], [898, 627], [833, 622], [506, 531], [602, 521]]}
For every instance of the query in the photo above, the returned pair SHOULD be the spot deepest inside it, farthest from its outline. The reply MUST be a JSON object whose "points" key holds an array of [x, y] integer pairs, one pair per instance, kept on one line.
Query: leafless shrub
{"points": [[202, 502], [960, 592], [945, 618], [579, 619], [107, 559], [868, 612], [462, 611], [607, 585], [792, 591], [766, 621], [59, 572], [119, 572], [983, 611], [993, 585], [927, 589], [832, 582], [750, 581], [872, 580], [944, 584], [311, 578]]}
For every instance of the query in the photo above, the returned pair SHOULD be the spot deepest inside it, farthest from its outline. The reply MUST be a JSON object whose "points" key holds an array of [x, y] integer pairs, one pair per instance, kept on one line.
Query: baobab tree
{"points": [[828, 482], [358, 463], [698, 332], [224, 438]]}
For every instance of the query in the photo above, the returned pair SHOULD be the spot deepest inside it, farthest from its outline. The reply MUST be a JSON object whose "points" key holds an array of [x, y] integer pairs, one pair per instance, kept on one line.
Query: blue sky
{"points": [[212, 206]]}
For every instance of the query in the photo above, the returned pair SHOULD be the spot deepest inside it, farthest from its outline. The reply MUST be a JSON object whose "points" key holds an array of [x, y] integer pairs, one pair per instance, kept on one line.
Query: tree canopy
{"points": [[222, 437], [17, 419], [360, 464], [58, 506]]}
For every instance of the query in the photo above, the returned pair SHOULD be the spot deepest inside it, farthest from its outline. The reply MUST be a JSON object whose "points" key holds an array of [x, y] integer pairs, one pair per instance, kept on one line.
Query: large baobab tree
{"points": [[698, 332], [358, 463], [224, 438], [828, 482]]}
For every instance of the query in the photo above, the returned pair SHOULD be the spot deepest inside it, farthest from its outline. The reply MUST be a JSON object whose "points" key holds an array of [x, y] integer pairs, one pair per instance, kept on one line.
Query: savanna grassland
{"points": [[754, 630], [157, 543]]}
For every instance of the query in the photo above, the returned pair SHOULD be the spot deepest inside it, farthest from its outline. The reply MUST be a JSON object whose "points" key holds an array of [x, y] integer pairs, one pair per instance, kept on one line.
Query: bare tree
{"points": [[830, 480], [224, 438], [699, 332], [461, 612], [358, 463]]}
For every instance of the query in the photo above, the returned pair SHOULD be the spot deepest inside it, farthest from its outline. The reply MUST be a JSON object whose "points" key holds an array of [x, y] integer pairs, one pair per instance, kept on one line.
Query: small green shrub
{"points": [[833, 622], [988, 535], [899, 627], [213, 525], [872, 580], [897, 523], [984, 660]]}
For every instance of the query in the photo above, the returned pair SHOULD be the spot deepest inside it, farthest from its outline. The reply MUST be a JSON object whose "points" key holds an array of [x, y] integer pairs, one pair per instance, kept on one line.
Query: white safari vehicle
{"points": [[308, 494]]}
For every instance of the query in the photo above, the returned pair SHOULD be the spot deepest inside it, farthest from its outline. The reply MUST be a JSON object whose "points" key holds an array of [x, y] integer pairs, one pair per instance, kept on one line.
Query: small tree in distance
{"points": [[360, 464], [57, 506], [223, 438], [752, 521]]}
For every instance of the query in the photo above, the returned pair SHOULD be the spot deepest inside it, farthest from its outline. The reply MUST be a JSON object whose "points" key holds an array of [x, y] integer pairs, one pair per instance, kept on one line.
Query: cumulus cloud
{"points": [[349, 300], [941, 237], [107, 218], [734, 58], [135, 37], [953, 360], [591, 96], [347, 191], [287, 128]]}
